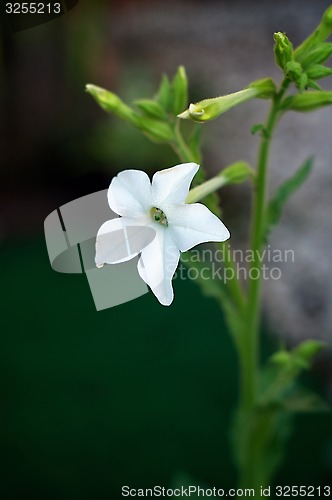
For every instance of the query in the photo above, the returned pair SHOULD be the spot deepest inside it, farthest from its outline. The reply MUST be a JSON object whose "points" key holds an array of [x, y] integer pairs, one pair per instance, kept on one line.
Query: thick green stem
{"points": [[254, 289], [249, 345], [258, 224], [234, 285], [180, 146]]}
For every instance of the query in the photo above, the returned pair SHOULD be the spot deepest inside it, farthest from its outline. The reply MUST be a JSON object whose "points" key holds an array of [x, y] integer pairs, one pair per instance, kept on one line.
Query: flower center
{"points": [[158, 215]]}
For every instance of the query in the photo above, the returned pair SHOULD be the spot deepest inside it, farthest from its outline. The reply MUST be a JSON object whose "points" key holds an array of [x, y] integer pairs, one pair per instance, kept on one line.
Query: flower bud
{"points": [[208, 109], [111, 103], [157, 130], [283, 50], [233, 174], [265, 88], [237, 173]]}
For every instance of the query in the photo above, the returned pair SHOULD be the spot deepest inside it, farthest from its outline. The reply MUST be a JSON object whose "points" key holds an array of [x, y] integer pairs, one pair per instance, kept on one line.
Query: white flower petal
{"points": [[171, 185], [119, 240], [193, 224], [129, 194], [157, 265]]}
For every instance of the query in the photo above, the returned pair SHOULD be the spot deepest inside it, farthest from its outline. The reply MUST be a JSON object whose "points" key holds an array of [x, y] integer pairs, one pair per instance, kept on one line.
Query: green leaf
{"points": [[150, 108], [156, 130], [309, 101], [318, 54], [305, 401], [164, 94], [321, 33], [313, 85], [281, 358], [179, 91], [194, 143], [259, 127], [283, 193], [318, 71], [210, 287], [309, 348]]}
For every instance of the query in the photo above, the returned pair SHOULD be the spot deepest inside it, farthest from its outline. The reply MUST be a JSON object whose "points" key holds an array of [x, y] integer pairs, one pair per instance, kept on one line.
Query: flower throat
{"points": [[159, 216]]}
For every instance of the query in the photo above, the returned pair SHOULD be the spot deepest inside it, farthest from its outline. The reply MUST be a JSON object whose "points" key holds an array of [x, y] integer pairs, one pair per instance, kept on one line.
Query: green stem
{"points": [[249, 347], [234, 285], [233, 282], [180, 146]]}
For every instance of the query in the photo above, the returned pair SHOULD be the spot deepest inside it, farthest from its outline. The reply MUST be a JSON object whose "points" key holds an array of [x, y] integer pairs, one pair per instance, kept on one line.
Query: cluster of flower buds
{"points": [[304, 65], [154, 117]]}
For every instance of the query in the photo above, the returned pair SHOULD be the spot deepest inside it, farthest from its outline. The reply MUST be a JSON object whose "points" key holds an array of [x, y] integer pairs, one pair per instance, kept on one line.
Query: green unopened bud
{"points": [[318, 54], [237, 173], [208, 109], [283, 50], [234, 174], [157, 130], [318, 71], [111, 103], [321, 33], [265, 88], [309, 101], [179, 90]]}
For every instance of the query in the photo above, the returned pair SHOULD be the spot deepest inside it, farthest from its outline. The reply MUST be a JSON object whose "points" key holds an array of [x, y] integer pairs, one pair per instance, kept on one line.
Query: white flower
{"points": [[157, 223]]}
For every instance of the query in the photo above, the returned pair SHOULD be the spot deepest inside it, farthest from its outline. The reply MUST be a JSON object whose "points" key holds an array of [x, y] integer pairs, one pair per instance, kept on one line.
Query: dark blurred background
{"points": [[141, 394]]}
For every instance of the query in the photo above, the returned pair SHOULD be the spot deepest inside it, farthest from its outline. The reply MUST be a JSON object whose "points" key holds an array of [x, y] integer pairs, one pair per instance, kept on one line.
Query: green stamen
{"points": [[158, 215]]}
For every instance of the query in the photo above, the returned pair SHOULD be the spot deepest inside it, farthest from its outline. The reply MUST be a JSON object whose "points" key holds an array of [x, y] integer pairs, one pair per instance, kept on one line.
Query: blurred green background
{"points": [[139, 394]]}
